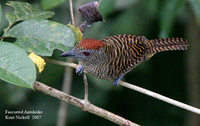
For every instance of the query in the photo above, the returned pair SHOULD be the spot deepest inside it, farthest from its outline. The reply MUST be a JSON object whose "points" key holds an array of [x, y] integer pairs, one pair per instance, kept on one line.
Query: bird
{"points": [[112, 57]]}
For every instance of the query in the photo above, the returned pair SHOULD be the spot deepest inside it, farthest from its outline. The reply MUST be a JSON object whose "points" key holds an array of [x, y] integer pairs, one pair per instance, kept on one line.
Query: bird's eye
{"points": [[86, 53]]}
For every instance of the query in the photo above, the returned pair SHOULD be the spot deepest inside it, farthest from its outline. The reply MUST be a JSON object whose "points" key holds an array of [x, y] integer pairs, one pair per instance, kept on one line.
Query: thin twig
{"points": [[3, 37], [71, 12], [66, 87], [86, 87], [147, 92], [66, 64], [86, 106], [67, 82], [160, 97]]}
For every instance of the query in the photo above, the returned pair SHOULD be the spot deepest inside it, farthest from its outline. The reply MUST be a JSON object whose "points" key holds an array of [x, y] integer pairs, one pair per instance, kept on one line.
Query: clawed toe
{"points": [[116, 82], [80, 70]]}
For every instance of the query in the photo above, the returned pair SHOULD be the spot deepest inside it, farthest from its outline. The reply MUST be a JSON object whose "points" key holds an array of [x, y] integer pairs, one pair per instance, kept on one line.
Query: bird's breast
{"points": [[97, 70]]}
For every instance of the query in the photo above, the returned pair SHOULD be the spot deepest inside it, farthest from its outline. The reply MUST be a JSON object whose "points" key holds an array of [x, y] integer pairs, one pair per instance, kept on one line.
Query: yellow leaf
{"points": [[37, 60], [78, 34]]}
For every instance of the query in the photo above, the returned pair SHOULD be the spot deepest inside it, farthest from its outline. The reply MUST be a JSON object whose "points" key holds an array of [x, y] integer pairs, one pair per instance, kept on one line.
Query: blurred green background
{"points": [[175, 74]]}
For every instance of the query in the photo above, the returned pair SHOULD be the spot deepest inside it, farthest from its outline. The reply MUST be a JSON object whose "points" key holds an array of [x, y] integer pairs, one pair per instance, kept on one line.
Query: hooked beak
{"points": [[70, 53]]}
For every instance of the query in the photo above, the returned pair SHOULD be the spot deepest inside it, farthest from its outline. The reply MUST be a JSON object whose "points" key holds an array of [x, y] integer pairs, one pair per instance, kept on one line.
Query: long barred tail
{"points": [[160, 45]]}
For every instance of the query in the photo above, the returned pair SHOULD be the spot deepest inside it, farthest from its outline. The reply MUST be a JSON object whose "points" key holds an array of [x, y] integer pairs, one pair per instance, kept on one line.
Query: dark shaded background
{"points": [[175, 74]]}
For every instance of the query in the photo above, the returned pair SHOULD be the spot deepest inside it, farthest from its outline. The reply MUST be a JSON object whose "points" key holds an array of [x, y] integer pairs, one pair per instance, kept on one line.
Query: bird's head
{"points": [[86, 48]]}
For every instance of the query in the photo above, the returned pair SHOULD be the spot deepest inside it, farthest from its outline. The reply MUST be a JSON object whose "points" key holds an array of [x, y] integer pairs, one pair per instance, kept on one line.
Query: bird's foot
{"points": [[116, 82], [80, 70]]}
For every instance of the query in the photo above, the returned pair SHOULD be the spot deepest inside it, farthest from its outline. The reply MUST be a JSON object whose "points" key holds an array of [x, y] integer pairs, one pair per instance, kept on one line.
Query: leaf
{"points": [[120, 4], [25, 11], [110, 6], [196, 8], [0, 13], [107, 7], [134, 25], [49, 4], [77, 33], [38, 61], [42, 36], [168, 14], [15, 66]]}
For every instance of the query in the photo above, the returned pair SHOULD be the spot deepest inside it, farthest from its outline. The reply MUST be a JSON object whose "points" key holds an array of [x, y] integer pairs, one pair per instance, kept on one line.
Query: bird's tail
{"points": [[160, 45]]}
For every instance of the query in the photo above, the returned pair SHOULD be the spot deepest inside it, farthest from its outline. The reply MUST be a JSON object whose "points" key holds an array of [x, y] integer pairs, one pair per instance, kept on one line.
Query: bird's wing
{"points": [[126, 51]]}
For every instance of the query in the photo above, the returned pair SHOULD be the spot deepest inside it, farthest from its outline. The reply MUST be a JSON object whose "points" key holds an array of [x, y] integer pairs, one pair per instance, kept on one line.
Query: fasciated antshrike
{"points": [[113, 57]]}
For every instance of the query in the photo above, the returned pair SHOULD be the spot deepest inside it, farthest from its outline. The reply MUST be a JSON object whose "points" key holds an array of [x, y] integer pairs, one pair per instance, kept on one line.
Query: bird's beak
{"points": [[70, 53]]}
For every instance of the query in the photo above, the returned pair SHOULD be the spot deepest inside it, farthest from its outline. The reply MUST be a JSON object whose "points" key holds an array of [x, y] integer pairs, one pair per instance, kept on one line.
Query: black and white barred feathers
{"points": [[114, 56]]}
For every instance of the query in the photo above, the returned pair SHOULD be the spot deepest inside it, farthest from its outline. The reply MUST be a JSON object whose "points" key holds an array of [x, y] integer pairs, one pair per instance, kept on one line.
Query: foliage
{"points": [[0, 13], [16, 67], [196, 7], [37, 60], [49, 4], [42, 36], [167, 17], [25, 11], [165, 73], [34, 35], [77, 33]]}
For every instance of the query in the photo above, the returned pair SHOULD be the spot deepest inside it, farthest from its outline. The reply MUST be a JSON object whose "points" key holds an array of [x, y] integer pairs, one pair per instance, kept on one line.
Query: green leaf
{"points": [[49, 4], [168, 14], [196, 8], [25, 11], [106, 7], [0, 13], [120, 4], [42, 36], [15, 66]]}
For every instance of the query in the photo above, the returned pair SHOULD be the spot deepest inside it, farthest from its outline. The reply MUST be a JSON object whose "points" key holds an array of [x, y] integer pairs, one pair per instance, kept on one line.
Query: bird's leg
{"points": [[116, 81], [80, 70]]}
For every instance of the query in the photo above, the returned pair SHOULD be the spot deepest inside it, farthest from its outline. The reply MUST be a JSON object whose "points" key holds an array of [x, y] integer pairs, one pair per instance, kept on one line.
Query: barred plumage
{"points": [[112, 57], [169, 44]]}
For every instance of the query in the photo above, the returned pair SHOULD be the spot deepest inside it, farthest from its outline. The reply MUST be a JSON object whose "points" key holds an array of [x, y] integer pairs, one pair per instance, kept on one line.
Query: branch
{"points": [[66, 64], [66, 87], [160, 97], [71, 12], [86, 87], [142, 90], [67, 82], [86, 106]]}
